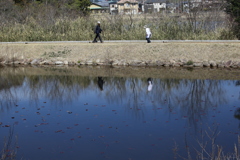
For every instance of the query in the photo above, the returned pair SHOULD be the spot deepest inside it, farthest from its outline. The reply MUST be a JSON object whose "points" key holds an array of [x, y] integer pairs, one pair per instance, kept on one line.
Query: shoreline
{"points": [[123, 71], [176, 53]]}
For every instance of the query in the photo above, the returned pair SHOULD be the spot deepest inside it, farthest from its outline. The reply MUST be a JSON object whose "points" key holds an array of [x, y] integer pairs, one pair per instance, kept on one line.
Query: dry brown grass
{"points": [[196, 52]]}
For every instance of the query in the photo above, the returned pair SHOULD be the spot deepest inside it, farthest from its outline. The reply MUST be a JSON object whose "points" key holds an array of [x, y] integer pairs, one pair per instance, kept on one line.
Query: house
{"points": [[113, 8], [99, 7], [195, 3], [216, 4], [127, 7], [205, 5], [153, 6]]}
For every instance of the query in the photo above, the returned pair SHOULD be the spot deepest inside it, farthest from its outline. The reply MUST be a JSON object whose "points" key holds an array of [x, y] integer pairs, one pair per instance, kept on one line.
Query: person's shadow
{"points": [[100, 83]]}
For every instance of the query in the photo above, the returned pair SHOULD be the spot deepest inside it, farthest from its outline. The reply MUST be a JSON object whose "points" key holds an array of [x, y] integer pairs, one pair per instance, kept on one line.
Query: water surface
{"points": [[115, 113]]}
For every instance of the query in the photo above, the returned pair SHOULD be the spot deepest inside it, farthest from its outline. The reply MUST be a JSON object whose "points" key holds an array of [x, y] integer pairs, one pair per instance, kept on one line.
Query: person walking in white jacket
{"points": [[148, 34]]}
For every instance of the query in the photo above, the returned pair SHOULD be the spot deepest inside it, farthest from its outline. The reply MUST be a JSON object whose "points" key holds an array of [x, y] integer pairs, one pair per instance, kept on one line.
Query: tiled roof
{"points": [[103, 4], [155, 1], [130, 1]]}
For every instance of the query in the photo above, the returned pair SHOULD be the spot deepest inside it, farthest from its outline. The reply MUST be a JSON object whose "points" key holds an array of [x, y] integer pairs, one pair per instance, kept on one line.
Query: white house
{"points": [[153, 6]]}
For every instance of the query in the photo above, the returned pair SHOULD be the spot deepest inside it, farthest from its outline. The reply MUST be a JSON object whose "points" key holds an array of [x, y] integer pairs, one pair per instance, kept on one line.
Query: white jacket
{"points": [[148, 33]]}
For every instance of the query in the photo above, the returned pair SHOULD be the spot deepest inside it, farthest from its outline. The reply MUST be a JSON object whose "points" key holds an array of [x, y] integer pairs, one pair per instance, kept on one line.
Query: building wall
{"points": [[159, 6], [154, 7], [148, 8], [128, 8], [113, 8]]}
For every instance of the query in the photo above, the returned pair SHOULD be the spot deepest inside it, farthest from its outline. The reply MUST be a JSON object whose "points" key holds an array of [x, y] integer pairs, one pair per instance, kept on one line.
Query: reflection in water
{"points": [[9, 150], [237, 83], [198, 97], [100, 83], [150, 85], [237, 114], [190, 97], [135, 111]]}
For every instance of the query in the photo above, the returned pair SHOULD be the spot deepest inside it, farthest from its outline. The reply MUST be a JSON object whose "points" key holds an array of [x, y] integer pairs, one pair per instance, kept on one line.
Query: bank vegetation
{"points": [[49, 22]]}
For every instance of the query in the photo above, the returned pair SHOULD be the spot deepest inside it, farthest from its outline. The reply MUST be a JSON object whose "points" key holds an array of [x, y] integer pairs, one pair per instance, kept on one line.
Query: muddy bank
{"points": [[122, 71]]}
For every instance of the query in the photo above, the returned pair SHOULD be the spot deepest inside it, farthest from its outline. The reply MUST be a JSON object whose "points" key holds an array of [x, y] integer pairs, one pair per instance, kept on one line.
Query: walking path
{"points": [[134, 41]]}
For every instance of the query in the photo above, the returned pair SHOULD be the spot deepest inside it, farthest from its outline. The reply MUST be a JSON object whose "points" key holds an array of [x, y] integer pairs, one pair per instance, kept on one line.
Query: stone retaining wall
{"points": [[171, 63]]}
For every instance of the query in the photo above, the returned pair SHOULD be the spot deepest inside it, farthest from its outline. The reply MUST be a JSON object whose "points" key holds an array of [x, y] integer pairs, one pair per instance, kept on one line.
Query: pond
{"points": [[118, 113]]}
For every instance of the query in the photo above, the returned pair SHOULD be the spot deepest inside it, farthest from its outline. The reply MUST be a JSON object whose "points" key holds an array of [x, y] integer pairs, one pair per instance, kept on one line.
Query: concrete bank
{"points": [[124, 53]]}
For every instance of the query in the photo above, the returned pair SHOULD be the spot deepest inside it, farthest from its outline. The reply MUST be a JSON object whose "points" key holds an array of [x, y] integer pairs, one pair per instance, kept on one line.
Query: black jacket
{"points": [[98, 29]]}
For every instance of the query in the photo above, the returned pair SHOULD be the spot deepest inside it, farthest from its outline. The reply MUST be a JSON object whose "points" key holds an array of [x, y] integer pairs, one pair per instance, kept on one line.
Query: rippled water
{"points": [[107, 113]]}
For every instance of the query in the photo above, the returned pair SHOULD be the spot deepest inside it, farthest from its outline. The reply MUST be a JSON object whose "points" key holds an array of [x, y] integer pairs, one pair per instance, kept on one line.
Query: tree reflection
{"points": [[9, 150], [192, 98], [200, 95], [115, 90], [59, 89], [8, 84], [133, 102]]}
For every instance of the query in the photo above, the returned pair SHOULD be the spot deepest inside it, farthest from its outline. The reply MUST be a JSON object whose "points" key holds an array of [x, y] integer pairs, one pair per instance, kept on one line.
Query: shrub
{"points": [[233, 9], [190, 62]]}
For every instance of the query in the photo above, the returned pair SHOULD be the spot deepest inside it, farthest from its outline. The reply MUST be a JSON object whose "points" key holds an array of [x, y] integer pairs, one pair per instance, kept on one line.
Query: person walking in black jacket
{"points": [[97, 31]]}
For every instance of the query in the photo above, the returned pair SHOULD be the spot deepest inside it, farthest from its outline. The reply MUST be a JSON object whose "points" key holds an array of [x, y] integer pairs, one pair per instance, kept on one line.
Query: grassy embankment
{"points": [[128, 52], [45, 25]]}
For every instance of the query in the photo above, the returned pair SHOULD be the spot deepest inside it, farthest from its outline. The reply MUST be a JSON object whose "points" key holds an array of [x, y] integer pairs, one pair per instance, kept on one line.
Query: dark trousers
{"points": [[148, 40], [97, 36]]}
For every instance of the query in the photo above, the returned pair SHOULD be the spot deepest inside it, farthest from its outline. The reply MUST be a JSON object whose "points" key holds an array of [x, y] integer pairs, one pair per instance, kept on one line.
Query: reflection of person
{"points": [[238, 83], [97, 31], [237, 115], [150, 85], [100, 83], [148, 34]]}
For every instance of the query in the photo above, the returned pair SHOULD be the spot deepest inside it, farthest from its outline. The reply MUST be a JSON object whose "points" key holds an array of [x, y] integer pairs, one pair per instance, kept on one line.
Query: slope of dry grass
{"points": [[74, 51]]}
